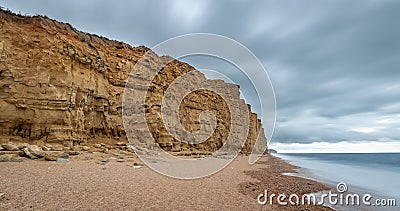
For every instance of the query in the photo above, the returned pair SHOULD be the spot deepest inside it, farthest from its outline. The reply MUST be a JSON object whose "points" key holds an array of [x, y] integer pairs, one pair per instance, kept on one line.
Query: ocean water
{"points": [[375, 173]]}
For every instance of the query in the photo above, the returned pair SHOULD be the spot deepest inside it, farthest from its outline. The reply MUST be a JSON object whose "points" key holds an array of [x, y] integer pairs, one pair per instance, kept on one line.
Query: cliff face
{"points": [[59, 85]]}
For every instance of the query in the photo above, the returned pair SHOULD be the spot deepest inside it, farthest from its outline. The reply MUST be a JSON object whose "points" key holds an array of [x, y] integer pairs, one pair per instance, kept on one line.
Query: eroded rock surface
{"points": [[63, 87]]}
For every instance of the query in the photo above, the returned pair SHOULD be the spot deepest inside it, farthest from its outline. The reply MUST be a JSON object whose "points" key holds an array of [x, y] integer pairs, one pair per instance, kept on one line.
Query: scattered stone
{"points": [[10, 158], [55, 147], [64, 155], [137, 164], [1, 148], [10, 146], [62, 160], [143, 151], [226, 157], [45, 148], [72, 153], [33, 152], [102, 144], [51, 147], [120, 144], [103, 160], [113, 158], [53, 156], [96, 145], [85, 148], [2, 195], [120, 160], [130, 148]]}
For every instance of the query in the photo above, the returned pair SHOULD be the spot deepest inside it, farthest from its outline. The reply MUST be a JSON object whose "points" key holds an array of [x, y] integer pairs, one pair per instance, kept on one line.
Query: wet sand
{"points": [[83, 184]]}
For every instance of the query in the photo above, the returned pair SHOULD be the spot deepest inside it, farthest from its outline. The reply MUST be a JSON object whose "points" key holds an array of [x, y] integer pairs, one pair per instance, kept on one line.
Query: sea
{"points": [[375, 173]]}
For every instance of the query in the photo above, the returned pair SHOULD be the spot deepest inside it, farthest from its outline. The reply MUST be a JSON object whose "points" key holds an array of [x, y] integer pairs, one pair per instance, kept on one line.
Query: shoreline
{"points": [[306, 173], [87, 183], [274, 175]]}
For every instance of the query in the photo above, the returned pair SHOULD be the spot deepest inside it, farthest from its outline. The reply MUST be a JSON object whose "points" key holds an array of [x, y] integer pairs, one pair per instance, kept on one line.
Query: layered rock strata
{"points": [[60, 85]]}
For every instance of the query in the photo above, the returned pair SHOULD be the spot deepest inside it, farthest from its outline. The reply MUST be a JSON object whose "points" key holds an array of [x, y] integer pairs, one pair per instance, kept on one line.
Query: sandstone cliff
{"points": [[60, 85]]}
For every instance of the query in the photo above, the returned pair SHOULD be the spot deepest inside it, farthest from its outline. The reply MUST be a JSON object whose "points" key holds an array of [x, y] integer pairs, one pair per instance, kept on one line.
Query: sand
{"points": [[83, 184]]}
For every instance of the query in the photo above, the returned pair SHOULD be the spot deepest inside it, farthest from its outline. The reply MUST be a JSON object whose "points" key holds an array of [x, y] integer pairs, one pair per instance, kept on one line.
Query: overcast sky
{"points": [[335, 65]]}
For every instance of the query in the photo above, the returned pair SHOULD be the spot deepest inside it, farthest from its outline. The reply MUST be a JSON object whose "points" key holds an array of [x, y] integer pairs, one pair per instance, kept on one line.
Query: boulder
{"points": [[33, 152], [10, 158], [45, 148], [62, 160], [55, 147], [53, 156], [10, 146], [49, 146], [22, 145]]}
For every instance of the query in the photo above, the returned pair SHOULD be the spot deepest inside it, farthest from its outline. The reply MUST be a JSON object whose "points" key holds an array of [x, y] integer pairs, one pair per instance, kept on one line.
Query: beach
{"points": [[85, 182]]}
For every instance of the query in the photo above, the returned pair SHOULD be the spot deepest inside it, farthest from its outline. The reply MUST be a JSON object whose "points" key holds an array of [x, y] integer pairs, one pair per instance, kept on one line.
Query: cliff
{"points": [[60, 85]]}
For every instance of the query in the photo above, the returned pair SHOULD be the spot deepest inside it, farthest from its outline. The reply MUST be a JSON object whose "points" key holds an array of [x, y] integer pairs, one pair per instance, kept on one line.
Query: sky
{"points": [[334, 65]]}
